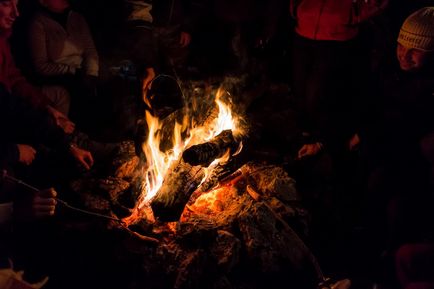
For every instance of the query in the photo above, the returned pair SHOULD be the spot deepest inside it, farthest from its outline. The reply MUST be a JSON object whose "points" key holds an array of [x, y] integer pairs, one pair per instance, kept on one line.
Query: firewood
{"points": [[204, 154], [181, 181], [257, 197], [220, 172]]}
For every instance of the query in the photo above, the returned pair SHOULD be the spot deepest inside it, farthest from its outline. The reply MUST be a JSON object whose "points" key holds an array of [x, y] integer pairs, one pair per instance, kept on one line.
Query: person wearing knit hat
{"points": [[416, 39], [401, 137]]}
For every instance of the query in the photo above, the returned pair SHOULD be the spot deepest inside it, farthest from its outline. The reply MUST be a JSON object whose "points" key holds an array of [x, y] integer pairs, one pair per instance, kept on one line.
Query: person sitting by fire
{"points": [[15, 89], [63, 54], [400, 140], [23, 127], [11, 77], [20, 87], [157, 35]]}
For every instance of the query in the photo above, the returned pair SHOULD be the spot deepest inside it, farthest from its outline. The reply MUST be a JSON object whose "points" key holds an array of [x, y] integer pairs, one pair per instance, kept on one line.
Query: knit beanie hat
{"points": [[417, 31]]}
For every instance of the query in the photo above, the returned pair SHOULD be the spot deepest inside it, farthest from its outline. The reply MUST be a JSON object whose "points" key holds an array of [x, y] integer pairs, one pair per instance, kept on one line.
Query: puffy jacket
{"points": [[333, 19]]}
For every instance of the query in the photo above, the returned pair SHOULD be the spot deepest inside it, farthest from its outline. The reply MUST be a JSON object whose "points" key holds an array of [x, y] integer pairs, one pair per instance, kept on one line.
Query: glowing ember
{"points": [[158, 162]]}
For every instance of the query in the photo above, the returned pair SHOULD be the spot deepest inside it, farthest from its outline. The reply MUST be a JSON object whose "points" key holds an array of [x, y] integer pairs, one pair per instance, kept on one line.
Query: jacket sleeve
{"points": [[90, 54], [52, 135], [21, 87], [39, 127], [363, 10], [39, 54]]}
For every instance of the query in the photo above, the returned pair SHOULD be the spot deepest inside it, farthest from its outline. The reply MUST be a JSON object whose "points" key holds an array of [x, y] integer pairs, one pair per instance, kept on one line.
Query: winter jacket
{"points": [[405, 116], [58, 49], [12, 78], [409, 105], [332, 19]]}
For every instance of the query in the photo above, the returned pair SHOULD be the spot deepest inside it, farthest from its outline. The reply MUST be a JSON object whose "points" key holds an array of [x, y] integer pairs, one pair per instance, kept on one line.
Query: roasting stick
{"points": [[8, 177]]}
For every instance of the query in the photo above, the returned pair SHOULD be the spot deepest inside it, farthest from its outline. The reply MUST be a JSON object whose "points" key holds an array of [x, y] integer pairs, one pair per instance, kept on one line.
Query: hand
{"points": [[66, 125], [84, 157], [44, 203], [354, 142], [309, 150], [26, 154], [185, 39], [62, 120]]}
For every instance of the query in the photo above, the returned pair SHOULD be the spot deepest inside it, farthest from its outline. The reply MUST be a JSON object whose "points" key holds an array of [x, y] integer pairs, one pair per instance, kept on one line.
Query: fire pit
{"points": [[200, 218]]}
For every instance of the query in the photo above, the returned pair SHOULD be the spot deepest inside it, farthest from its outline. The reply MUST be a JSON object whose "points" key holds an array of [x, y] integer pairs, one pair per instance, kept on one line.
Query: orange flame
{"points": [[158, 162]]}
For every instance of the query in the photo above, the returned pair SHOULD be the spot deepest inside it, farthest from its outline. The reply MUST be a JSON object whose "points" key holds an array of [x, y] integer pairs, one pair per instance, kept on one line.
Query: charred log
{"points": [[204, 154], [220, 172], [181, 182]]}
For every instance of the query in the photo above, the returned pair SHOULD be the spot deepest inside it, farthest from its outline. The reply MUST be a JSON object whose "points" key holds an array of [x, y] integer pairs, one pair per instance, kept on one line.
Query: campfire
{"points": [[199, 144], [201, 216]]}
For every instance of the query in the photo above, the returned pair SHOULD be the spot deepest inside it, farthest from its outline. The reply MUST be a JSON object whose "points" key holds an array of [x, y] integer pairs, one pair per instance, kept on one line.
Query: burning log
{"points": [[181, 181], [204, 154], [166, 132]]}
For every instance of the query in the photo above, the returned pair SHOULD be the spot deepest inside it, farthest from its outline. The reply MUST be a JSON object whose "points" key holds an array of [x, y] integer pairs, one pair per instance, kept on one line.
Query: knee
{"points": [[58, 97]]}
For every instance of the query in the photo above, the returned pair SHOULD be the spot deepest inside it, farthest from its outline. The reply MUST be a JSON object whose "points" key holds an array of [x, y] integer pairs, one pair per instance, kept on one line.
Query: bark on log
{"points": [[180, 183], [204, 154]]}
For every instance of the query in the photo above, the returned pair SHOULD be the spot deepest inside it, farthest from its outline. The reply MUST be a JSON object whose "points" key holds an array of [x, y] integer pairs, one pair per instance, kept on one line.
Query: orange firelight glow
{"points": [[158, 162]]}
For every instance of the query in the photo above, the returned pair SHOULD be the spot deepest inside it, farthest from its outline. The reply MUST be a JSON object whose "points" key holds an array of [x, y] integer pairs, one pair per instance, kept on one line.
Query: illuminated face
{"points": [[8, 14], [411, 59], [56, 6]]}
